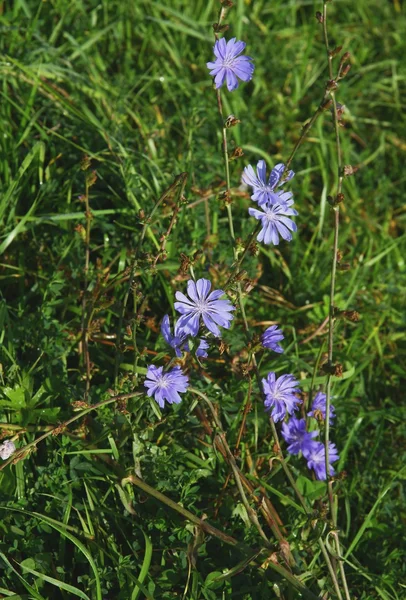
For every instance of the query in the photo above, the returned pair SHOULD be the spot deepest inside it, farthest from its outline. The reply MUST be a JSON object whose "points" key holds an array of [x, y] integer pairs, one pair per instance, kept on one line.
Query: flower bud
{"points": [[91, 178], [350, 170], [351, 315], [344, 266], [331, 85], [237, 153], [231, 121], [217, 28], [344, 72], [85, 163], [326, 104], [336, 51]]}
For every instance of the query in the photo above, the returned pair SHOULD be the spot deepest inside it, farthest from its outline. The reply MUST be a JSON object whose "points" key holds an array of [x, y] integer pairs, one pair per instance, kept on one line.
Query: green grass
{"points": [[125, 83]]}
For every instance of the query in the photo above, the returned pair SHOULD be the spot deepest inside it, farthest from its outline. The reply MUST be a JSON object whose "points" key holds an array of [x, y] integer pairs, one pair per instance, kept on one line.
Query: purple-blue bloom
{"points": [[178, 341], [165, 386], [280, 395], [315, 454], [275, 221], [264, 191], [201, 349], [200, 303], [319, 407], [229, 65], [7, 448], [271, 337], [295, 435], [175, 340]]}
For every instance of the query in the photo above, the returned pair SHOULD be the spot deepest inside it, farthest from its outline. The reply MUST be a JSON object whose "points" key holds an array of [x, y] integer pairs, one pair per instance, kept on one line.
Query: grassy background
{"points": [[125, 83]]}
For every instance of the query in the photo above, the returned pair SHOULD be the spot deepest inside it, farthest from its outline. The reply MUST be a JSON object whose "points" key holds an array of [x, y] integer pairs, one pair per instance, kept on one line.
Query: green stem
{"points": [[85, 320], [331, 307]]}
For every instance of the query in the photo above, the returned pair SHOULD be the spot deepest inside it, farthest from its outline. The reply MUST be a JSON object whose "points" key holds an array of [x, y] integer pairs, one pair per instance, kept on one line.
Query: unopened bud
{"points": [[237, 153], [350, 170], [91, 178], [239, 245], [331, 85], [81, 231], [85, 163], [345, 71], [231, 121], [253, 249], [340, 110], [319, 17], [326, 104], [351, 315], [336, 51], [344, 266], [227, 3], [223, 347], [226, 197], [217, 28], [335, 201]]}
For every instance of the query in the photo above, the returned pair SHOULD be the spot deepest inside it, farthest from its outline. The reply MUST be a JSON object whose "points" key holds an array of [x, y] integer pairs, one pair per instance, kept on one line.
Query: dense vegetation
{"points": [[103, 104]]}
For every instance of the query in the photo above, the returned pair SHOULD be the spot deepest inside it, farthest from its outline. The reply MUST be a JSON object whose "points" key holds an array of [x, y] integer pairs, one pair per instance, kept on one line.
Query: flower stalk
{"points": [[336, 209]]}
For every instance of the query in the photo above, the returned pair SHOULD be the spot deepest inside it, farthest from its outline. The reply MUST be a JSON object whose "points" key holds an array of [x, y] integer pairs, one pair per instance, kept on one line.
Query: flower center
{"points": [[270, 215], [228, 63], [163, 381], [201, 306]]}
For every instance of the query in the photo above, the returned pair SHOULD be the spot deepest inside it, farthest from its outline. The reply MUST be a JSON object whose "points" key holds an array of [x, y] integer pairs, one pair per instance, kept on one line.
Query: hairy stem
{"points": [[85, 321], [241, 304], [332, 294]]}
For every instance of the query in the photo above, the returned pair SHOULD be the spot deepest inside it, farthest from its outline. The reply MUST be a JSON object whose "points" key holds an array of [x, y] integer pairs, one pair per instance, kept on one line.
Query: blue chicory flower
{"points": [[315, 453], [264, 191], [319, 407], [229, 65], [271, 337], [7, 448], [165, 386], [275, 221], [200, 303], [175, 340], [178, 340], [280, 395], [295, 435]]}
